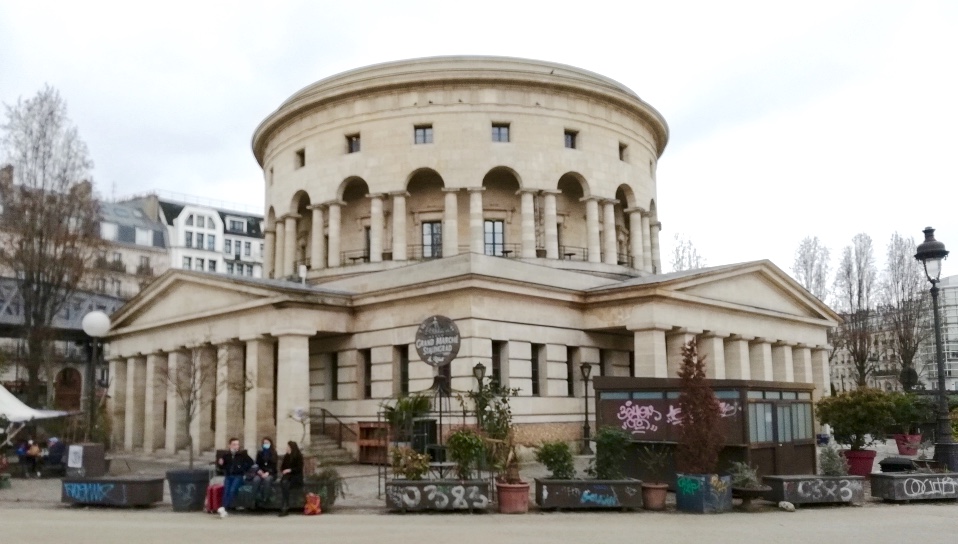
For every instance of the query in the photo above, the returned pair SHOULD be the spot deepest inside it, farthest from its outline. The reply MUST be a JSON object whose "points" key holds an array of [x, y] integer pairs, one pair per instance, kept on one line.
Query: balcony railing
{"points": [[572, 253], [144, 270], [114, 266]]}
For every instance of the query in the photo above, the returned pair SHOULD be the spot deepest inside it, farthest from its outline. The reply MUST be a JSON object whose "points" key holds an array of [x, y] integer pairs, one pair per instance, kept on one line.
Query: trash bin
{"points": [[86, 461], [896, 464]]}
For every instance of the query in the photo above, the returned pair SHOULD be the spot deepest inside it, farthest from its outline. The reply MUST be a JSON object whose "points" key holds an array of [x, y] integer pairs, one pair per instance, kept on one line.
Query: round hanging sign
{"points": [[437, 340]]}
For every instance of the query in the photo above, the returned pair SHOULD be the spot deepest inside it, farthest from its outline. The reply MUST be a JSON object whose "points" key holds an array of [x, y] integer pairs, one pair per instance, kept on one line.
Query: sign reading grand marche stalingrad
{"points": [[437, 340]]}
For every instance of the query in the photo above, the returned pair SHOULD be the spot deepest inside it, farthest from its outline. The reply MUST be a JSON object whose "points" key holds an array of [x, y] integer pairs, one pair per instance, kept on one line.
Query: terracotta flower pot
{"points": [[653, 496], [907, 443], [860, 462], [513, 498]]}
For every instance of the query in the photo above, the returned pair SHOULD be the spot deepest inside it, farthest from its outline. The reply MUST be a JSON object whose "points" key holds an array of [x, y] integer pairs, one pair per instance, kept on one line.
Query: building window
{"points": [[237, 226], [431, 239], [212, 265], [227, 245], [500, 132], [570, 372], [538, 350], [199, 240], [261, 249], [117, 257], [423, 134], [144, 262], [333, 378], [249, 270], [247, 248], [200, 222], [200, 264], [570, 139], [367, 359], [300, 158], [229, 267], [187, 263], [403, 370], [189, 221], [494, 237], [497, 349], [188, 242], [144, 237], [211, 242], [622, 151], [352, 143]]}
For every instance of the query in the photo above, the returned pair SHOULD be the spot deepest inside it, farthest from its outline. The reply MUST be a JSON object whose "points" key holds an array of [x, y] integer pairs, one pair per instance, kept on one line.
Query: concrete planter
{"points": [[438, 495], [703, 493], [123, 492], [912, 486], [810, 489], [588, 494], [188, 489]]}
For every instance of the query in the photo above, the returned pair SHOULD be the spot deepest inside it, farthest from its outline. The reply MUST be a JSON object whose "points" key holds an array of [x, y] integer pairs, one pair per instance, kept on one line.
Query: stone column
{"points": [[399, 225], [551, 219], [592, 229], [117, 399], [377, 226], [673, 350], [259, 419], [230, 387], [335, 209], [269, 252], [650, 356], [656, 259], [783, 368], [736, 358], [154, 435], [476, 226], [450, 223], [820, 373], [610, 248], [635, 238], [135, 403], [317, 241], [528, 210], [202, 359], [177, 362], [646, 243], [289, 249], [760, 359], [711, 345], [802, 359], [278, 258], [292, 385]]}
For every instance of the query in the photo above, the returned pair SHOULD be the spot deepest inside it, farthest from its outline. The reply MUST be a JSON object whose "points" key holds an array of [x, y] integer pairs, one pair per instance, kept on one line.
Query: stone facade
{"points": [[545, 177]]}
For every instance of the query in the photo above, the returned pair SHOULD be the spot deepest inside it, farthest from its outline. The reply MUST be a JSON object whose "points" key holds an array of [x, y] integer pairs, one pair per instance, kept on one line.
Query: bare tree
{"points": [[50, 217], [855, 287], [685, 256], [811, 266], [904, 307]]}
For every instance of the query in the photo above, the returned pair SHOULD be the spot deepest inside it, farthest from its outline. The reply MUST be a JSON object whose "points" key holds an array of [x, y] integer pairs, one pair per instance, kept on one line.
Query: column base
{"points": [[947, 455]]}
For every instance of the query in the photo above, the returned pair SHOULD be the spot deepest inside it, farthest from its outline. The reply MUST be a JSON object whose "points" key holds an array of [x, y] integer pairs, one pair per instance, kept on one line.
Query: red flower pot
{"points": [[860, 462], [907, 443], [513, 498]]}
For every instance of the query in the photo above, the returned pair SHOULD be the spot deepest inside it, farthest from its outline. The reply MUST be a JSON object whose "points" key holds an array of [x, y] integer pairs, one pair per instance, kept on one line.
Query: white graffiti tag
{"points": [[639, 419]]}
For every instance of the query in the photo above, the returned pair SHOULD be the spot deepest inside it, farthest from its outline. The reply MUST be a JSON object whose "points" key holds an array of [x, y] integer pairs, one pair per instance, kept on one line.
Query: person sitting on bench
{"points": [[56, 451], [29, 454]]}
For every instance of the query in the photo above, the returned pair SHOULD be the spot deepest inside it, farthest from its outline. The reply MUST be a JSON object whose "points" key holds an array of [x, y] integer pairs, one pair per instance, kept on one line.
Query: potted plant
{"points": [[858, 419], [655, 489], [328, 484], [409, 464], [558, 459], [909, 411], [511, 491], [831, 485], [403, 413], [698, 488], [746, 484], [466, 448]]}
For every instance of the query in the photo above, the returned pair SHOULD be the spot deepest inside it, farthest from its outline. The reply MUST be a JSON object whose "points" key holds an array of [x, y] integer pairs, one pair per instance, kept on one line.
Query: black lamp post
{"points": [[931, 252], [586, 370], [479, 371], [95, 324]]}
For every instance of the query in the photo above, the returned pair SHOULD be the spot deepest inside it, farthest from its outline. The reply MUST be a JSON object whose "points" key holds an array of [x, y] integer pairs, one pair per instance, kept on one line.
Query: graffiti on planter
{"points": [[96, 492], [825, 490], [942, 486], [185, 492], [599, 495], [638, 418], [688, 486], [438, 497]]}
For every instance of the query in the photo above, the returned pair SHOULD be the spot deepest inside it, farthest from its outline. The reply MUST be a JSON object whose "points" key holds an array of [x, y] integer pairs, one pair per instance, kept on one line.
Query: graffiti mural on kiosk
{"points": [[645, 418]]}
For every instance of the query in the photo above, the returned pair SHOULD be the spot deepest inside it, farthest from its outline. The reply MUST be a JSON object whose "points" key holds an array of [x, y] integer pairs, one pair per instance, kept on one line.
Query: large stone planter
{"points": [[438, 495], [588, 494], [703, 493], [124, 492], [245, 497], [811, 489], [913, 486], [188, 489]]}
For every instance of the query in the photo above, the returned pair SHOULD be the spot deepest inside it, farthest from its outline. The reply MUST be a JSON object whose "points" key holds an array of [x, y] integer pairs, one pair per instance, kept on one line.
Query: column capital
{"points": [[590, 199], [685, 330], [527, 190], [551, 192], [609, 201], [759, 340], [292, 332], [451, 189], [743, 337], [715, 334], [270, 230], [404, 194], [656, 225], [475, 189], [650, 327], [288, 216], [315, 206], [333, 202], [376, 195], [255, 337], [783, 343], [636, 209]]}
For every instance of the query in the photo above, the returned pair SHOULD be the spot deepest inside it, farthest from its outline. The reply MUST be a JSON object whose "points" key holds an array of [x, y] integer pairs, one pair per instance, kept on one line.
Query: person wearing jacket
{"points": [[291, 472], [265, 471], [235, 464]]}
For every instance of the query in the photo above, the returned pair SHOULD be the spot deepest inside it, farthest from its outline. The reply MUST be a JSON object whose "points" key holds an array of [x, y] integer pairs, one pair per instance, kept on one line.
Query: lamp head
{"points": [[586, 370], [479, 371], [931, 252]]}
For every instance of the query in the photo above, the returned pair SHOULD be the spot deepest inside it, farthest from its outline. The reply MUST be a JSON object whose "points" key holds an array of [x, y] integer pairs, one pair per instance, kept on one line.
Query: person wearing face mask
{"points": [[265, 472], [235, 464], [291, 473]]}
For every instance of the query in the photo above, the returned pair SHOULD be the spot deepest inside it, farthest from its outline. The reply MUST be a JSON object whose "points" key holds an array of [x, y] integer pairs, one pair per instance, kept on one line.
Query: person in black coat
{"points": [[265, 471], [235, 464], [291, 472]]}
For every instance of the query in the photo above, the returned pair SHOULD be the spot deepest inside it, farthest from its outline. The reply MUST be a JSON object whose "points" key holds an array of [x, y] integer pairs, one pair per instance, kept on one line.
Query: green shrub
{"points": [[611, 449], [832, 462], [855, 414], [467, 449], [557, 458]]}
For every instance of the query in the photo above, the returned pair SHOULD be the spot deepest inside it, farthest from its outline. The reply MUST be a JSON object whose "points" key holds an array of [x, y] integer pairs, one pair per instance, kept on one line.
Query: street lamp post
{"points": [[931, 253], [586, 370], [95, 324], [479, 371]]}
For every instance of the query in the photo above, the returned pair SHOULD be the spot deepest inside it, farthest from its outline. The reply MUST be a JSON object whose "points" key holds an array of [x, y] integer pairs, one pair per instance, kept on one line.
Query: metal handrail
{"points": [[340, 426]]}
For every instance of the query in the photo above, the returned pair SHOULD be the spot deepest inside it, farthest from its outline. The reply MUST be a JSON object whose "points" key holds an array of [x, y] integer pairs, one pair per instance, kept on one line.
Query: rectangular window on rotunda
{"points": [[431, 239], [570, 139], [500, 132], [352, 143], [423, 134], [300, 158]]}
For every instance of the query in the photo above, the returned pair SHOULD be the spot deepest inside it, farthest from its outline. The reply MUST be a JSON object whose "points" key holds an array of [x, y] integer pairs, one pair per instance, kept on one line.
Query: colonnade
{"points": [[643, 252]]}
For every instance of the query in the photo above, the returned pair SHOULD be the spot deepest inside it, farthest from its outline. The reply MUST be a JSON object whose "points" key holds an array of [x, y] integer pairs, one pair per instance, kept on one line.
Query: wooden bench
{"points": [[123, 491]]}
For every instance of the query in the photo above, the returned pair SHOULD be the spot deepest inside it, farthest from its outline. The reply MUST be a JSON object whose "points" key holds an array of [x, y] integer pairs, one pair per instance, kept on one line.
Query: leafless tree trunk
{"points": [[50, 216], [905, 307], [685, 256], [811, 267], [854, 294]]}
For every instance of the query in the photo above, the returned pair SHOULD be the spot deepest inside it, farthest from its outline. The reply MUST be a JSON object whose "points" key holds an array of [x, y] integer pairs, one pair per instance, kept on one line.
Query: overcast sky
{"points": [[787, 119]]}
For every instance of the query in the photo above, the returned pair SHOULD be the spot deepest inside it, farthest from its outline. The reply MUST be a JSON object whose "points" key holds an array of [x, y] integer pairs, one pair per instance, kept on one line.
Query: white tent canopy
{"points": [[15, 411]]}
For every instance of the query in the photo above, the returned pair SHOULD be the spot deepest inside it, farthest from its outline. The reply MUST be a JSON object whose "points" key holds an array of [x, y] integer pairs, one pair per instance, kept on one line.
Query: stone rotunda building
{"points": [[516, 197]]}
